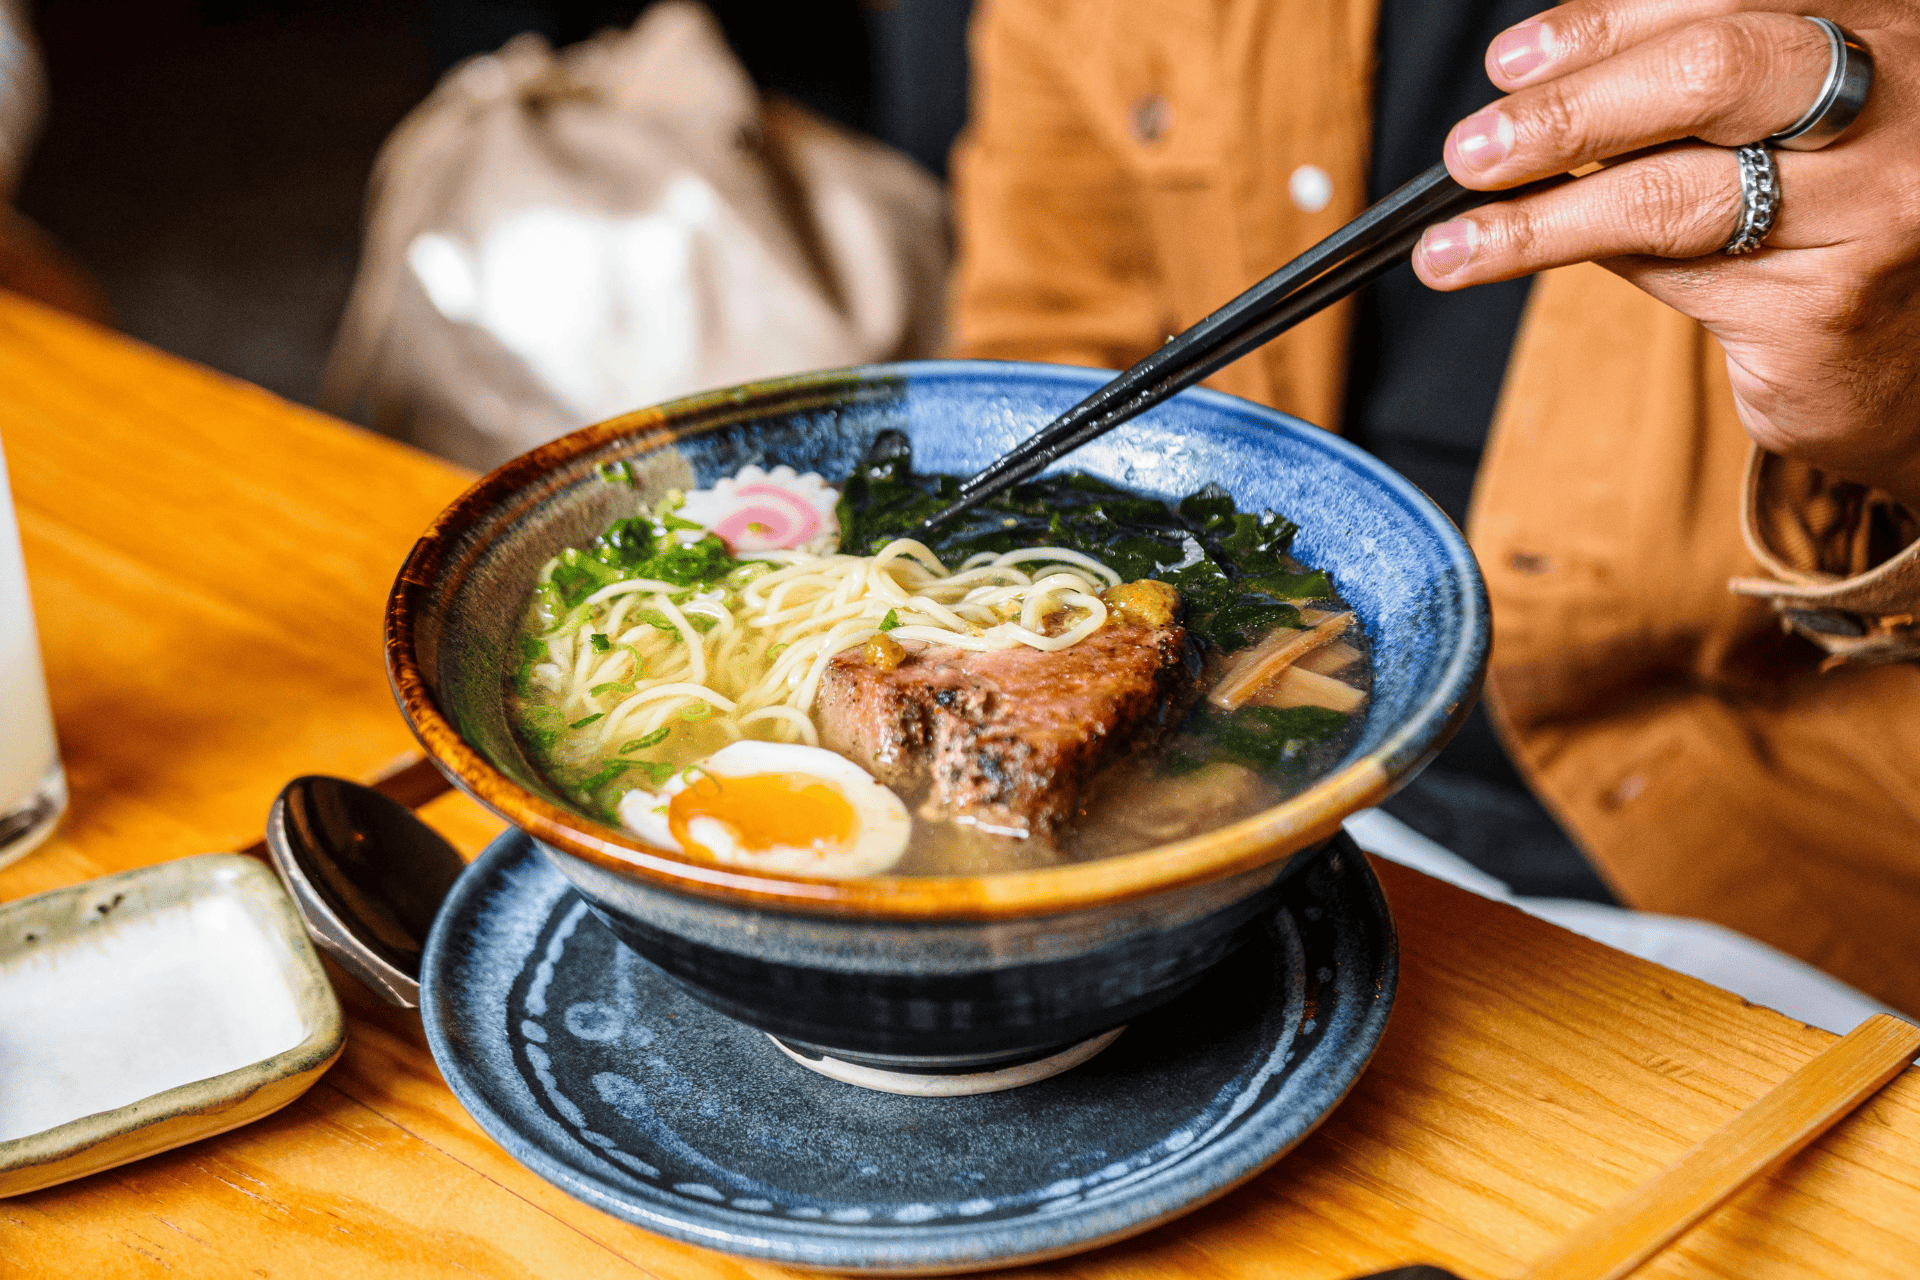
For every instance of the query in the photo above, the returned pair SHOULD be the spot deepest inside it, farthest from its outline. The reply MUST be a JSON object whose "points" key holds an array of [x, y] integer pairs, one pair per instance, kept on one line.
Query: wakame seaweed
{"points": [[1266, 738], [1231, 567]]}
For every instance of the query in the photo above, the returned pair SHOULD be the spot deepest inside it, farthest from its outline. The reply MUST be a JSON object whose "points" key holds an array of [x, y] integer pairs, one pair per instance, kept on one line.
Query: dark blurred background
{"points": [[206, 160]]}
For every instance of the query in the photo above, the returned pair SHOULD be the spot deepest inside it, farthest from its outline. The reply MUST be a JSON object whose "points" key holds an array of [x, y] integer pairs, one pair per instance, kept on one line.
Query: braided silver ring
{"points": [[1841, 98], [1759, 197]]}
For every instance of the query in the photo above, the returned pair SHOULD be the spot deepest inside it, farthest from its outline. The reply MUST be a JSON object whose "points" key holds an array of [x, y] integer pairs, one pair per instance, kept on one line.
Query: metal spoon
{"points": [[367, 875]]}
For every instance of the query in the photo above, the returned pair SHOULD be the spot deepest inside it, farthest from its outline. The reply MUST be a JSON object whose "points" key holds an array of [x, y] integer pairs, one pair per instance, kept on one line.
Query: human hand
{"points": [[1821, 326]]}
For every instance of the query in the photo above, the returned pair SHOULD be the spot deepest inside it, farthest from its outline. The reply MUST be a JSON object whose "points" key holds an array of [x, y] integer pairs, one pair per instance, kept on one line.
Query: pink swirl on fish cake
{"points": [[772, 519]]}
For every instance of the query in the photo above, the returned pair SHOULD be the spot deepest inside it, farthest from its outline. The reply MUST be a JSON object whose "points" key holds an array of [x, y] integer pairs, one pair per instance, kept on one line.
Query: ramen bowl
{"points": [[937, 974]]}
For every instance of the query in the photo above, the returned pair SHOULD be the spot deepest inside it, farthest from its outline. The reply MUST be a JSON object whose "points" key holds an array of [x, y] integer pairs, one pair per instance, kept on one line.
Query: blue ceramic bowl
{"points": [[939, 973]]}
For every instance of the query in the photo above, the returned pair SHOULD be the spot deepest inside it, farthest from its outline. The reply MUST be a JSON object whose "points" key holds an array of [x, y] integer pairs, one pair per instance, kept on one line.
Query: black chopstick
{"points": [[1410, 200], [1382, 237]]}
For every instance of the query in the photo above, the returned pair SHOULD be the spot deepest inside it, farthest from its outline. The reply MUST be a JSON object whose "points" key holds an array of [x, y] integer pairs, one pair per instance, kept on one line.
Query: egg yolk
{"points": [[765, 811]]}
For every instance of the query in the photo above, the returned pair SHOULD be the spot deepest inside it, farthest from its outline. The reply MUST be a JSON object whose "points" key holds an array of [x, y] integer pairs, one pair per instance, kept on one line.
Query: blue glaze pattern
{"points": [[607, 1078]]}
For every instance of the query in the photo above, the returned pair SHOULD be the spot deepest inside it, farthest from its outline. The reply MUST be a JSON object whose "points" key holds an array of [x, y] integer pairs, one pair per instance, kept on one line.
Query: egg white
{"points": [[881, 821]]}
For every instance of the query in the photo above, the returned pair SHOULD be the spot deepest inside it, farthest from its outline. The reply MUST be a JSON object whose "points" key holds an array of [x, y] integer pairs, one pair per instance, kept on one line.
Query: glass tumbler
{"points": [[33, 786]]}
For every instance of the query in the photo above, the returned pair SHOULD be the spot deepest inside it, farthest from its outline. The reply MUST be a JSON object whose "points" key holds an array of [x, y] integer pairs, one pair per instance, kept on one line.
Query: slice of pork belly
{"points": [[1007, 740]]}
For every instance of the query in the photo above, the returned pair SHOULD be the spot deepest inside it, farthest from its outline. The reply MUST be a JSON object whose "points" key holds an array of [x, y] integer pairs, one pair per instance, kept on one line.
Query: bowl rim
{"points": [[1263, 838]]}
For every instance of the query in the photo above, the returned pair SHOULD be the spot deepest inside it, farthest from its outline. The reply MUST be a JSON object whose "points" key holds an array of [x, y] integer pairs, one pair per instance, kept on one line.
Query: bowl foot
{"points": [[923, 1085]]}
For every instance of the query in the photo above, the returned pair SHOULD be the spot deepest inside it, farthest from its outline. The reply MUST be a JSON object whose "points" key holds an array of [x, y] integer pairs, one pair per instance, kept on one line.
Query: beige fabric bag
{"points": [[556, 238], [23, 93]]}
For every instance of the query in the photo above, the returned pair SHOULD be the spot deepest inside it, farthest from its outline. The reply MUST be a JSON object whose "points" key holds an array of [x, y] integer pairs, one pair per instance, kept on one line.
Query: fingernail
{"points": [[1483, 139], [1448, 246], [1520, 51]]}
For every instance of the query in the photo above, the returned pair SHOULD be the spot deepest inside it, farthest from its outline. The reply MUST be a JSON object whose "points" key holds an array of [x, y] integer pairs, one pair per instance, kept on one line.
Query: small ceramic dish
{"points": [[145, 1010], [937, 973]]}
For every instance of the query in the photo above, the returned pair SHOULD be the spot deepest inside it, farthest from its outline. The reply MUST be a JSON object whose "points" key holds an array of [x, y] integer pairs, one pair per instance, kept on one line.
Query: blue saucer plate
{"points": [[605, 1077]]}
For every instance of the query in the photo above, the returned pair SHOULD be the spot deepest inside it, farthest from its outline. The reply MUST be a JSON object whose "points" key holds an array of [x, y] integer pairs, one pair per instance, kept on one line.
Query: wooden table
{"points": [[208, 567]]}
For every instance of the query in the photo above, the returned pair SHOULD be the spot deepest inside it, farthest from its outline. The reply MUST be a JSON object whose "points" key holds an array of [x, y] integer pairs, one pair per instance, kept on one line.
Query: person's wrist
{"points": [[1893, 466], [1875, 448]]}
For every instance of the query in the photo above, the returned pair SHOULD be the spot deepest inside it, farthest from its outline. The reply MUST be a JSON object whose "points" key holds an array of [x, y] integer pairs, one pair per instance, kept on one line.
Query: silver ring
{"points": [[1759, 197], [1841, 98]]}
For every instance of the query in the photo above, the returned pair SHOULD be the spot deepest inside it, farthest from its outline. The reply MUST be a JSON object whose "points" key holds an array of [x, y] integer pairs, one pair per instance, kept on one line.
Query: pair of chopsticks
{"points": [[1354, 256], [1617, 1240], [1781, 1124]]}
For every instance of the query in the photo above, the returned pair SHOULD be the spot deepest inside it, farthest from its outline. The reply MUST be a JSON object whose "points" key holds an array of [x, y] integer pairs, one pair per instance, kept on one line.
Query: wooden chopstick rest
{"points": [[1789, 1116]]}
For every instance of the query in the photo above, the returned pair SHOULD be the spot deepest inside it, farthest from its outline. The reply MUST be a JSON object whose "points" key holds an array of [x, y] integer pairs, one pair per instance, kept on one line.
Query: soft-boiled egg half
{"points": [[775, 806]]}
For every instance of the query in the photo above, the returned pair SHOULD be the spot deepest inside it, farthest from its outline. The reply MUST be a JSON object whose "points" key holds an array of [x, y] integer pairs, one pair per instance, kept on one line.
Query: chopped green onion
{"points": [[615, 473], [599, 642], [570, 619], [778, 649], [639, 664], [891, 621], [611, 686], [584, 721], [657, 771], [611, 770], [696, 711], [653, 739], [578, 575]]}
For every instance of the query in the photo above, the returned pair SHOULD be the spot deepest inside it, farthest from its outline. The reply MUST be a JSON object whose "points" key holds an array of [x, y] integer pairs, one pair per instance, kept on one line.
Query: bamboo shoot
{"points": [[1270, 657]]}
